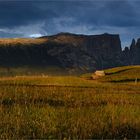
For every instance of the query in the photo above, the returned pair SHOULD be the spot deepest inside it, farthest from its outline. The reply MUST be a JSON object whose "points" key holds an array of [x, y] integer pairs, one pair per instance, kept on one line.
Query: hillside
{"points": [[122, 74], [125, 74], [71, 107]]}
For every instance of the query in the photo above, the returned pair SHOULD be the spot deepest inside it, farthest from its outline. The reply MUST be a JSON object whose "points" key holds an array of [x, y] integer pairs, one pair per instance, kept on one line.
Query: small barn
{"points": [[97, 74]]}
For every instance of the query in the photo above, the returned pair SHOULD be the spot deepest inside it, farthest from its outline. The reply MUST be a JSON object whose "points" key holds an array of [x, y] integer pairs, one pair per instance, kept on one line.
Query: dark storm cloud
{"points": [[120, 13], [28, 18], [15, 13]]}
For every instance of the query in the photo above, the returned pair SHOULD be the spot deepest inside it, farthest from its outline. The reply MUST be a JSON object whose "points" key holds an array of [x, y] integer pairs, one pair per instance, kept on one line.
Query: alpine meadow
{"points": [[69, 69]]}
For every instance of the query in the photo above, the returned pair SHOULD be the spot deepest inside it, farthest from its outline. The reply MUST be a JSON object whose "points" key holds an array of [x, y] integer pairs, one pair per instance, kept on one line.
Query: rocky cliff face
{"points": [[84, 52], [132, 54]]}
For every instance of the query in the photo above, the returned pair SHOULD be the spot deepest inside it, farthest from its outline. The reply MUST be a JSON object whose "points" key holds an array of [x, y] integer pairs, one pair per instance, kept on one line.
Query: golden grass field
{"points": [[71, 107], [21, 41]]}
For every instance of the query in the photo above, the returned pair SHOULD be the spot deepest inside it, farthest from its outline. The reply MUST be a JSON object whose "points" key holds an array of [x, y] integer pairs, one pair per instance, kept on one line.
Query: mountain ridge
{"points": [[67, 50]]}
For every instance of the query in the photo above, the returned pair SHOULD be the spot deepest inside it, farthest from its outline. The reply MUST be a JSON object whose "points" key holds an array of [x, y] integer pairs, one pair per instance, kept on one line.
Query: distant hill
{"points": [[124, 74], [68, 51]]}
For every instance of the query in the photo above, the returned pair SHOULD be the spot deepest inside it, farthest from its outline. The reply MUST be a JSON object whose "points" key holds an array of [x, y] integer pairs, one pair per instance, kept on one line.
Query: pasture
{"points": [[71, 107]]}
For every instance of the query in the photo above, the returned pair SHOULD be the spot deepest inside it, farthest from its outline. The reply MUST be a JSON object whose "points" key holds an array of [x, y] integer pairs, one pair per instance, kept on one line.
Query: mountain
{"points": [[66, 50], [132, 53], [87, 52]]}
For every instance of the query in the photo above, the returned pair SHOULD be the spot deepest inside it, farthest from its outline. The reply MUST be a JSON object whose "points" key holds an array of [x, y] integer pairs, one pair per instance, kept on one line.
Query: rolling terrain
{"points": [[71, 107]]}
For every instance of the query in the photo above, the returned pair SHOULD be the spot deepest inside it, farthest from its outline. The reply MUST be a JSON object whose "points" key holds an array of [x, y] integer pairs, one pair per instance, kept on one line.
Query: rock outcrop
{"points": [[131, 55], [87, 52]]}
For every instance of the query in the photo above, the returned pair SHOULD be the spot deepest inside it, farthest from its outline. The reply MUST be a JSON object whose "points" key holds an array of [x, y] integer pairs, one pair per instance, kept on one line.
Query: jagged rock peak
{"points": [[133, 44], [126, 49], [138, 43], [138, 40]]}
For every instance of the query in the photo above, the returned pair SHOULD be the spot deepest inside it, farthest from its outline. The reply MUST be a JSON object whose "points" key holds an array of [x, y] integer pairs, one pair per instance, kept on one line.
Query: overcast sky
{"points": [[35, 18]]}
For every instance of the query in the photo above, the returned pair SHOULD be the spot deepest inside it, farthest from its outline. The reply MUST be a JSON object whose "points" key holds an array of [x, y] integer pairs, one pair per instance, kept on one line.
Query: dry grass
{"points": [[122, 74], [21, 41], [68, 107]]}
